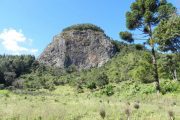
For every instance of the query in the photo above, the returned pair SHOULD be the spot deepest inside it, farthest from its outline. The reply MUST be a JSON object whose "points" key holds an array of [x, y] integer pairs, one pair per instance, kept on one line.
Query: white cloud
{"points": [[11, 39]]}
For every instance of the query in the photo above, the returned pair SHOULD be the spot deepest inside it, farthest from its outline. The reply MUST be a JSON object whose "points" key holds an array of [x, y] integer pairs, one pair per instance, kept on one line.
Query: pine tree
{"points": [[144, 16], [167, 34]]}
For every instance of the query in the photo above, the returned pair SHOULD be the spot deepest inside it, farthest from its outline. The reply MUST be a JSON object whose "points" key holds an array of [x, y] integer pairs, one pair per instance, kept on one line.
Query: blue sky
{"points": [[27, 26]]}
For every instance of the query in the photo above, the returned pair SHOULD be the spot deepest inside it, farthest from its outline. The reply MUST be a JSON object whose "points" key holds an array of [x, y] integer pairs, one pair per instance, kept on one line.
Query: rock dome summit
{"points": [[82, 45]]}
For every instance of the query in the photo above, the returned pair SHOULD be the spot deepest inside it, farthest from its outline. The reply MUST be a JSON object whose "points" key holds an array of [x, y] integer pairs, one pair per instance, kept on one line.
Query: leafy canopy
{"points": [[167, 34], [126, 36], [146, 13]]}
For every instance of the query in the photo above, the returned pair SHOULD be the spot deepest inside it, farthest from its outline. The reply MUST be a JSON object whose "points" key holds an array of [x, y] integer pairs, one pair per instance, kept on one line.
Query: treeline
{"points": [[132, 63], [11, 67]]}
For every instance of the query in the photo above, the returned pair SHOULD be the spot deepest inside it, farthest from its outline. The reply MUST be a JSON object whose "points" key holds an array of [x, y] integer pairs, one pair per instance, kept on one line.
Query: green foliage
{"points": [[91, 85], [169, 66], [119, 45], [71, 69], [102, 80], [12, 67], [34, 81], [170, 86], [139, 47], [144, 16], [148, 12], [136, 105], [130, 64], [144, 70], [126, 36], [2, 86], [9, 78], [84, 27], [147, 89], [167, 34], [102, 113], [165, 10], [108, 90]]}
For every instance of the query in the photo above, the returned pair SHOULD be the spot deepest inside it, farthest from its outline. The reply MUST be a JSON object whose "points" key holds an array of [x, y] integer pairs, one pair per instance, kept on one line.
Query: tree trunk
{"points": [[156, 76], [175, 75]]}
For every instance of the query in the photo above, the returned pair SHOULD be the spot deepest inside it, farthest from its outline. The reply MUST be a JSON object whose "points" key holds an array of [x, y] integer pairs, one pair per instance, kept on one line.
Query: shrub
{"points": [[126, 36], [18, 84], [144, 73], [128, 113], [102, 80], [169, 86], [102, 113], [91, 85], [72, 68], [49, 85], [84, 27], [148, 89], [171, 115], [79, 88], [9, 78], [136, 105], [139, 47], [2, 86], [108, 90]]}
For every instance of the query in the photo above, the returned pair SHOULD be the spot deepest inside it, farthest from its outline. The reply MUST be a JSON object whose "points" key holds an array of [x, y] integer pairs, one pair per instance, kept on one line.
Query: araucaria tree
{"points": [[167, 35], [144, 16]]}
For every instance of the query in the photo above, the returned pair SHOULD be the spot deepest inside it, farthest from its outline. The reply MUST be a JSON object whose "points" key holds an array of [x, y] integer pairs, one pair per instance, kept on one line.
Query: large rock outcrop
{"points": [[84, 47]]}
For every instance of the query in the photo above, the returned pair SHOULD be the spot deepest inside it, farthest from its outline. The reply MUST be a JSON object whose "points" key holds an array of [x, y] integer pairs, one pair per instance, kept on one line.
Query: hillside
{"points": [[122, 88], [119, 84]]}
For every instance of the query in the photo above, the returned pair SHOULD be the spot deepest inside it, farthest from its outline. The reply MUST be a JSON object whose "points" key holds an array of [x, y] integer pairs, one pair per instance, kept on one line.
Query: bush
{"points": [[127, 36], [102, 80], [91, 85], [84, 27], [169, 86], [18, 84], [2, 86], [49, 85], [136, 106], [72, 68], [102, 113], [144, 70], [9, 78], [139, 47], [108, 90], [148, 89], [171, 115]]}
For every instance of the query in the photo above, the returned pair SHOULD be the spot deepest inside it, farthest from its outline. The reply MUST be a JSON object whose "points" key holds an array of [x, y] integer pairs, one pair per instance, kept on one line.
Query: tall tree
{"points": [[167, 36], [144, 16]]}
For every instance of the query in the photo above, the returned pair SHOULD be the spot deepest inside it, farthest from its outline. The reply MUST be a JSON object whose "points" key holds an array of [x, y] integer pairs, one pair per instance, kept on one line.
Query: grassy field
{"points": [[66, 104]]}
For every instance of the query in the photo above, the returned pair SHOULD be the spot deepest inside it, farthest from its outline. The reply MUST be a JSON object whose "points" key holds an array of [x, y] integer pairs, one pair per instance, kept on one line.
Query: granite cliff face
{"points": [[84, 48]]}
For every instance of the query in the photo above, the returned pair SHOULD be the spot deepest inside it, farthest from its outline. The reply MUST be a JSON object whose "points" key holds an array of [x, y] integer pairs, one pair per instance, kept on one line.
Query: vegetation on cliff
{"points": [[81, 27]]}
